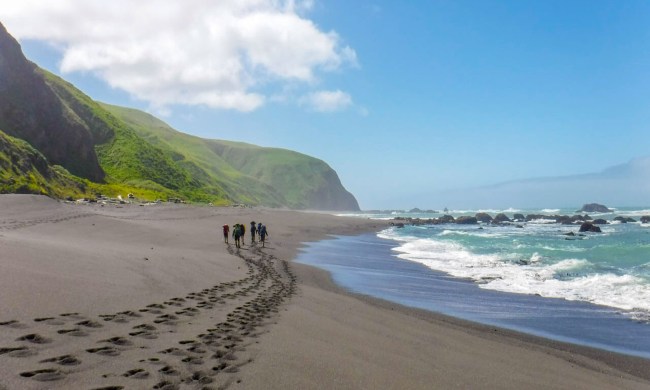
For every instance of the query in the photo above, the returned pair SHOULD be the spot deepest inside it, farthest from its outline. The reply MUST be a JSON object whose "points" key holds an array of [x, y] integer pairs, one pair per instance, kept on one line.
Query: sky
{"points": [[405, 100]]}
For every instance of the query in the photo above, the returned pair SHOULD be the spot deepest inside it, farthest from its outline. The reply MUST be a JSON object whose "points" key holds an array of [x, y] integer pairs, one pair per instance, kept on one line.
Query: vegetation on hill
{"points": [[278, 176], [24, 170], [98, 148]]}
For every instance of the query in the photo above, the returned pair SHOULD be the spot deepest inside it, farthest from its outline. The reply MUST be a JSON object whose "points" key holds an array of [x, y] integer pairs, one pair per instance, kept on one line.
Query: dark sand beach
{"points": [[136, 297]]}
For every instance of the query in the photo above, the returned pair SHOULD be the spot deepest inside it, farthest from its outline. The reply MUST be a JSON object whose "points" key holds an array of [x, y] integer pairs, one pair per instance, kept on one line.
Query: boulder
{"points": [[624, 219], [499, 218], [466, 220], [519, 218], [563, 219], [483, 217], [645, 219], [446, 219], [589, 227], [599, 221], [594, 208]]}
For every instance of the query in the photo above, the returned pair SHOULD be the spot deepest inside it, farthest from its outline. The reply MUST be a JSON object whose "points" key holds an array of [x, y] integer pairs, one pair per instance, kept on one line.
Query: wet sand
{"points": [[136, 296]]}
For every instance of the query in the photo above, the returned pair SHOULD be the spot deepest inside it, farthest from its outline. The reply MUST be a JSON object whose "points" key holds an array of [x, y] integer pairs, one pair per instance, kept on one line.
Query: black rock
{"points": [[589, 227], [483, 217], [499, 218], [446, 219], [624, 219], [466, 220], [599, 221], [645, 219], [594, 208]]}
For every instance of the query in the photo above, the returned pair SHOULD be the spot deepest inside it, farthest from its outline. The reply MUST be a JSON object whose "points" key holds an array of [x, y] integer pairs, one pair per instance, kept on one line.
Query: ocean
{"points": [[591, 289]]}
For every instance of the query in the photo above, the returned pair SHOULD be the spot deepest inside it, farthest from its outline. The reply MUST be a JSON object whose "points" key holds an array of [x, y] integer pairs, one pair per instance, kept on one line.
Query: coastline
{"points": [[321, 337]]}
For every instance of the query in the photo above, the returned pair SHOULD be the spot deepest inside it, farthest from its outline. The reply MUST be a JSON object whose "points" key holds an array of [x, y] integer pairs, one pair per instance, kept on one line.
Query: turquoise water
{"points": [[611, 268]]}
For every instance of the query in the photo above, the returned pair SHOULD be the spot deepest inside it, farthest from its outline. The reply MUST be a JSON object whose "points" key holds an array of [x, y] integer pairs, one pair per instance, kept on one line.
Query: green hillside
{"points": [[66, 144], [292, 179], [25, 170]]}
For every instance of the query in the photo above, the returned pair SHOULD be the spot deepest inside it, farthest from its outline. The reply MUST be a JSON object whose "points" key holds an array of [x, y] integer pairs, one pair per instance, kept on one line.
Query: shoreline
{"points": [[316, 335], [633, 365], [375, 271]]}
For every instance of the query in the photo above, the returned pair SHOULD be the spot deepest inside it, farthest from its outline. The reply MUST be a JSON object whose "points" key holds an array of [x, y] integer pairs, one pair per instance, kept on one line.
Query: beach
{"points": [[149, 296]]}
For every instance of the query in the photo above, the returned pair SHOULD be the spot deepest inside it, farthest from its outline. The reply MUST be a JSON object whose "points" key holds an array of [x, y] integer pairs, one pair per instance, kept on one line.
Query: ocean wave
{"points": [[542, 221], [633, 213], [472, 233], [489, 211], [571, 279], [380, 217], [550, 210]]}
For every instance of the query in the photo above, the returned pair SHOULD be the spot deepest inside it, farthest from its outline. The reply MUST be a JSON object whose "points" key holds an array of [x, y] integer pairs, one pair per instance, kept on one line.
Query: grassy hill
{"points": [[25, 170], [272, 176], [66, 144]]}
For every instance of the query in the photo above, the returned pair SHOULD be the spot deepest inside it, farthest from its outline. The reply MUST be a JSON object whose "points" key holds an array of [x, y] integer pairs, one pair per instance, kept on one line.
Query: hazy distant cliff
{"points": [[118, 150]]}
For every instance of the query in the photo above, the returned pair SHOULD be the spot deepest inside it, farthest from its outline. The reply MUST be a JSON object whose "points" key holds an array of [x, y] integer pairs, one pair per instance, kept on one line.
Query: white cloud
{"points": [[221, 54], [327, 101]]}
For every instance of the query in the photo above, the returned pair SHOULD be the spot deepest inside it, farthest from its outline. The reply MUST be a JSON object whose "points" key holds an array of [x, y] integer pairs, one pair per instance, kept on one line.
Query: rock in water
{"points": [[466, 220], [589, 227], [483, 217], [594, 208], [499, 218]]}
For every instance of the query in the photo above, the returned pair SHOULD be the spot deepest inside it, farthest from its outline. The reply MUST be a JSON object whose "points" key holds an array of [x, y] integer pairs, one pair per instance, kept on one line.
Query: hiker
{"points": [[242, 233], [263, 234], [259, 228], [226, 230], [236, 233], [253, 231]]}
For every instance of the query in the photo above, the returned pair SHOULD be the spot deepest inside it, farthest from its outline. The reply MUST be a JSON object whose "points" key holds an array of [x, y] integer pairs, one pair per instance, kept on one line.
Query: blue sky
{"points": [[425, 96]]}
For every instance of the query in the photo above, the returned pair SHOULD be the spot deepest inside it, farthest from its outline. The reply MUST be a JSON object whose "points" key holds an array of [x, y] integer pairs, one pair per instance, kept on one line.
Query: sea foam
{"points": [[570, 279]]}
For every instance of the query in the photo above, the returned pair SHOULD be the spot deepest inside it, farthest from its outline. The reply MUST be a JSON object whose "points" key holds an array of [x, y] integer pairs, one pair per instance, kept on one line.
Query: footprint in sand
{"points": [[65, 360], [144, 334], [164, 319], [145, 327], [169, 370], [173, 351], [192, 360], [136, 373], [117, 341], [90, 324], [48, 374], [17, 352], [13, 324], [198, 378], [50, 321], [34, 338], [106, 351], [72, 332], [165, 385]]}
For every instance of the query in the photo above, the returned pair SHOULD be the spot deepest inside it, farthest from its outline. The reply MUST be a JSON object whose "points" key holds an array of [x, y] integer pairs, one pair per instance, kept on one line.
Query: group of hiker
{"points": [[239, 232]]}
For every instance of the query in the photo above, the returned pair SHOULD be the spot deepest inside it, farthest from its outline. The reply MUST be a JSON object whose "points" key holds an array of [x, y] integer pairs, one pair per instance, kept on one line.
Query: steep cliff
{"points": [[31, 110]]}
